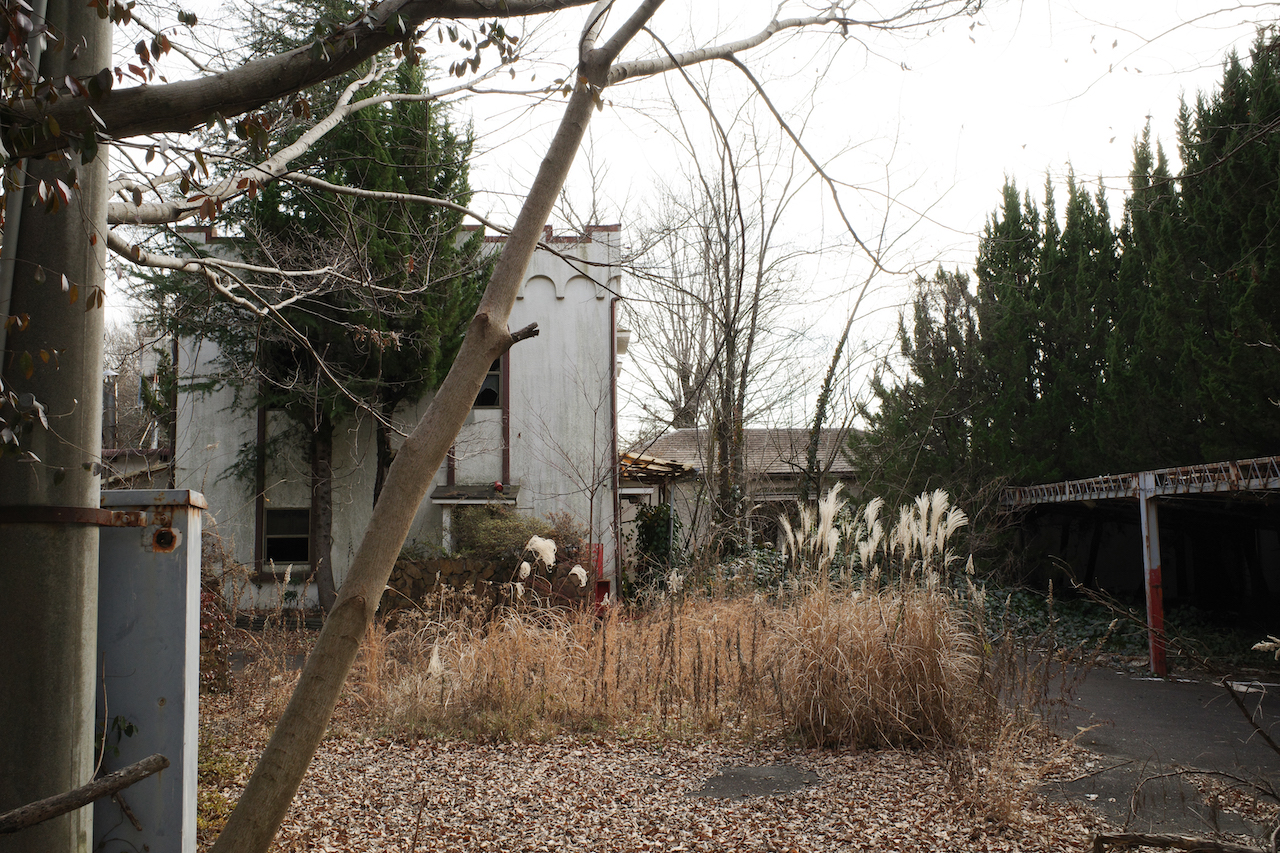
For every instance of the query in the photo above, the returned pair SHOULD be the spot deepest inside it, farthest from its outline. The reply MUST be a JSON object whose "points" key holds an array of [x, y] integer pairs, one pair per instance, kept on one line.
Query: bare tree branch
{"points": [[188, 104], [932, 11], [276, 166], [51, 807], [1176, 842]]}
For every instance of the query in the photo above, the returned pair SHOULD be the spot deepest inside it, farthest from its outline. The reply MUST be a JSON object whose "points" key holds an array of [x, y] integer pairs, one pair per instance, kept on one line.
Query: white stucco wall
{"points": [[561, 425], [561, 385]]}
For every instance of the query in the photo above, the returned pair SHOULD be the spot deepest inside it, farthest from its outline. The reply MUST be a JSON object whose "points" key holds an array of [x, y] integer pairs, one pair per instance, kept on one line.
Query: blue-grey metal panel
{"points": [[148, 667]]}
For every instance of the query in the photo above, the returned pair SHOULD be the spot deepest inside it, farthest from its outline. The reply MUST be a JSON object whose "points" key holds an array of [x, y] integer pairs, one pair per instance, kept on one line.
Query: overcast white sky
{"points": [[932, 120], [1033, 85], [936, 120]]}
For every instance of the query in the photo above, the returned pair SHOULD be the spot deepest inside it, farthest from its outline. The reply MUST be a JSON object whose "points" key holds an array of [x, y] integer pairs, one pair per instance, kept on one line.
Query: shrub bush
{"points": [[495, 533], [570, 538]]}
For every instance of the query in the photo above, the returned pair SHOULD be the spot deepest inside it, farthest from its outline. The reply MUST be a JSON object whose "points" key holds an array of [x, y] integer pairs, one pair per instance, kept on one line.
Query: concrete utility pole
{"points": [[49, 562]]}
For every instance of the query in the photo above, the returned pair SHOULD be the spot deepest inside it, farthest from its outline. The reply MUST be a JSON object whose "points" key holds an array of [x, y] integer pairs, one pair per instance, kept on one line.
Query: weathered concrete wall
{"points": [[561, 388], [561, 428]]}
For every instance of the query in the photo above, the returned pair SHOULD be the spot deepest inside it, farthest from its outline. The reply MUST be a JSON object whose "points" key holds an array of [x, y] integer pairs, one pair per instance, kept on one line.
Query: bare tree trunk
{"points": [[49, 571]]}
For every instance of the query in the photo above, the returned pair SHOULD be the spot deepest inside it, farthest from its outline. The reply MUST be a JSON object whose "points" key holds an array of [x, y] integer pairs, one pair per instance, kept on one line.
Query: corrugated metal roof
{"points": [[1243, 475], [643, 468]]}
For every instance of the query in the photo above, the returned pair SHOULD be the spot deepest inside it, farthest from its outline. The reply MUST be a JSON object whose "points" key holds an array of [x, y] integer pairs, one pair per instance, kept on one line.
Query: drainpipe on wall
{"points": [[504, 377], [615, 588], [259, 489]]}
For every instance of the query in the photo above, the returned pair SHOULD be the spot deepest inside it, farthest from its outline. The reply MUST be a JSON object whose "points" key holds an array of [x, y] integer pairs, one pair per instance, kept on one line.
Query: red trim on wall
{"points": [[505, 374]]}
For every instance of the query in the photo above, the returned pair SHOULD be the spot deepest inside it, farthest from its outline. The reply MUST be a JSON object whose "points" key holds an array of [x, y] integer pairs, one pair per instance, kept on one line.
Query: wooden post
{"points": [[1151, 571]]}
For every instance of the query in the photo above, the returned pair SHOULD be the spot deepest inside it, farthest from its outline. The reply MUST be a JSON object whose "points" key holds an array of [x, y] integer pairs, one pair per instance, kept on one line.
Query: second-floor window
{"points": [[490, 396]]}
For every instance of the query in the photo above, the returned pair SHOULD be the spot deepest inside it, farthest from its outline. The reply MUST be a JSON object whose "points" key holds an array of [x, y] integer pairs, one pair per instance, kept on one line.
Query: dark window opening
{"points": [[286, 538], [490, 395], [766, 528]]}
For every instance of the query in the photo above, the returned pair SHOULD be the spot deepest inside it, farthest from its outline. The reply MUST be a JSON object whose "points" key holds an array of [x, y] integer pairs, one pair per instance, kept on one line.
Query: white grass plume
{"points": [[545, 549]]}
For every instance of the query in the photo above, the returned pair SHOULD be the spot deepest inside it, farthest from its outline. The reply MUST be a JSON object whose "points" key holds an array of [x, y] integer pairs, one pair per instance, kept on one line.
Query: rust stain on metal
{"points": [[164, 540]]}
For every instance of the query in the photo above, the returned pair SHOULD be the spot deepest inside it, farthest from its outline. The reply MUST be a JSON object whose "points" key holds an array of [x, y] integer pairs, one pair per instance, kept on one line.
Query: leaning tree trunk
{"points": [[275, 780]]}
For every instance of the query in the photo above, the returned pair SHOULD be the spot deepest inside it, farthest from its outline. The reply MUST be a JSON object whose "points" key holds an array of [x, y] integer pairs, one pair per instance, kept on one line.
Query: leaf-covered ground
{"points": [[570, 794]]}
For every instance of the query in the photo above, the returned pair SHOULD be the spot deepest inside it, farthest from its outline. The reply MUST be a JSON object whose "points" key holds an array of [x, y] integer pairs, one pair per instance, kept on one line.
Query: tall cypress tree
{"points": [[920, 428], [1221, 281], [394, 334], [1102, 350], [1007, 269], [1142, 416], [1045, 293]]}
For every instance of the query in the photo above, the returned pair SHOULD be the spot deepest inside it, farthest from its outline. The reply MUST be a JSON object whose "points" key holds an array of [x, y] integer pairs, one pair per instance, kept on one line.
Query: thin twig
{"points": [[1235, 697], [1176, 842], [1099, 772]]}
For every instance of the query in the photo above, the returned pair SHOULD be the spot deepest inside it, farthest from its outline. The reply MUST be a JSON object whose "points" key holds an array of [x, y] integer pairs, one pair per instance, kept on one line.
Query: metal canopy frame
{"points": [[1215, 478]]}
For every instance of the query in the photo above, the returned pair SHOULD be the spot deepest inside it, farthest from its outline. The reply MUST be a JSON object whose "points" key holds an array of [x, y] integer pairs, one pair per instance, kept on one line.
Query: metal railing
{"points": [[1244, 475]]}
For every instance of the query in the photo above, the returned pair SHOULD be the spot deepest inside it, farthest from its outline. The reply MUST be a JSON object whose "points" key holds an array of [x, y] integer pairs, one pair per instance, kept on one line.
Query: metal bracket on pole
{"points": [[71, 515]]}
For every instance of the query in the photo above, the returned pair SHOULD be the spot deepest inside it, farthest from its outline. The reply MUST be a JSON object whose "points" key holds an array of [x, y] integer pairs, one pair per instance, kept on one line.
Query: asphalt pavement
{"points": [[1152, 736]]}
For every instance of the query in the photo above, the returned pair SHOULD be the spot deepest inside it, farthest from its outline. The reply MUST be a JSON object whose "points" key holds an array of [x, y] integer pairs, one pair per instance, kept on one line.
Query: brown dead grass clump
{"points": [[837, 668], [688, 666], [895, 667], [881, 652]]}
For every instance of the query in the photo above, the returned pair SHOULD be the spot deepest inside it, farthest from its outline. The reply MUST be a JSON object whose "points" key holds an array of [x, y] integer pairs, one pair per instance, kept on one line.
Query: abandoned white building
{"points": [[544, 427], [774, 461]]}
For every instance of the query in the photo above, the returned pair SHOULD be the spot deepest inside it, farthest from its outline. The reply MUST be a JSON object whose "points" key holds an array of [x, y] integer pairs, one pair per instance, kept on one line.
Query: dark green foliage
{"points": [[657, 527], [381, 290], [381, 320], [1218, 274], [497, 533], [1196, 638], [1085, 349], [920, 435], [390, 332]]}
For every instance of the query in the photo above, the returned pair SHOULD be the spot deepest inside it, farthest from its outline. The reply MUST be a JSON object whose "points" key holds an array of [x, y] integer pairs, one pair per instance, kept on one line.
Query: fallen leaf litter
{"points": [[625, 795]]}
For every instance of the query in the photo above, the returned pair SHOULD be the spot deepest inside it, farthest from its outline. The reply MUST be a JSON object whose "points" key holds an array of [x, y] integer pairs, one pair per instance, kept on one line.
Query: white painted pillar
{"points": [[1151, 572]]}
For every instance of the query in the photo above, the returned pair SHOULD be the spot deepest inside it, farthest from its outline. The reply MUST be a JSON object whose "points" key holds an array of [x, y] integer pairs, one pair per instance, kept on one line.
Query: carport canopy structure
{"points": [[650, 469], [639, 474], [1247, 475]]}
